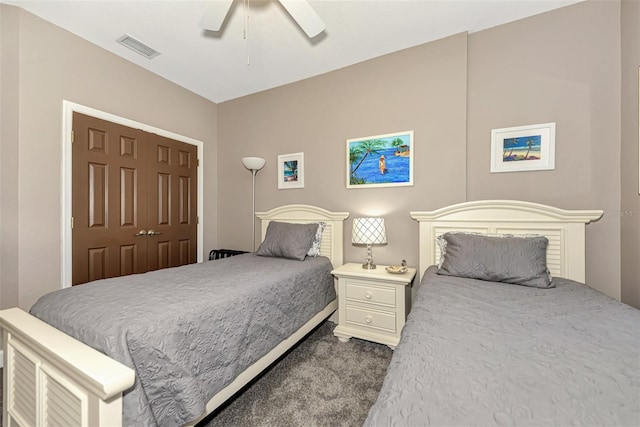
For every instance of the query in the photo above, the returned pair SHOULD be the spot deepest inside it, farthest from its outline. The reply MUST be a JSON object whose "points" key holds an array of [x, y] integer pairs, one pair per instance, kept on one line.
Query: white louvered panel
{"points": [[64, 404], [327, 240], [22, 383], [555, 253]]}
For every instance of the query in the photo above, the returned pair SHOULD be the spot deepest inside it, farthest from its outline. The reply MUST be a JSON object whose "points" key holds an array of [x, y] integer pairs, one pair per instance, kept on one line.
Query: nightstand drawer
{"points": [[357, 291], [371, 319], [372, 304]]}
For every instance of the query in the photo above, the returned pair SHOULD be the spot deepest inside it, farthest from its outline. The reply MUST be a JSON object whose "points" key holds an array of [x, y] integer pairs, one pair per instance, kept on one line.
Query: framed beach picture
{"points": [[291, 171], [523, 148], [380, 160]]}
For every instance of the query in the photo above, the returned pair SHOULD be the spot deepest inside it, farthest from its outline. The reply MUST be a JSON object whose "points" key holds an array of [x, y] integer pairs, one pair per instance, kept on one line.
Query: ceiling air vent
{"points": [[138, 46]]}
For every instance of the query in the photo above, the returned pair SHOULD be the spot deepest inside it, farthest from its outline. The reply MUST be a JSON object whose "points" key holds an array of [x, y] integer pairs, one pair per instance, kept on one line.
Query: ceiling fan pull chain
{"points": [[246, 28]]}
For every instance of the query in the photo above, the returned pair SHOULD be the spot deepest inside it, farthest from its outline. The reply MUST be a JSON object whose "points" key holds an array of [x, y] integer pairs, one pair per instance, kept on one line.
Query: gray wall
{"points": [[563, 66], [42, 65]]}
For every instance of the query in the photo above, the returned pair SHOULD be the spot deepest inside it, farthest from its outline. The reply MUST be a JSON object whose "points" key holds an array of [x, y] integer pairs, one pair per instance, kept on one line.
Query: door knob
{"points": [[141, 233], [153, 233]]}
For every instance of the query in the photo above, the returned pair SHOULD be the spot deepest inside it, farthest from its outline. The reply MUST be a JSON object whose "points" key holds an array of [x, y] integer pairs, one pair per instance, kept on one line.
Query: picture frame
{"points": [[290, 171], [523, 148], [380, 160]]}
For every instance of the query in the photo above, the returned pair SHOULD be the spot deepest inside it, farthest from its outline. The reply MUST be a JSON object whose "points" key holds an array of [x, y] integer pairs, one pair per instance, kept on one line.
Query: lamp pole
{"points": [[254, 164], [253, 206]]}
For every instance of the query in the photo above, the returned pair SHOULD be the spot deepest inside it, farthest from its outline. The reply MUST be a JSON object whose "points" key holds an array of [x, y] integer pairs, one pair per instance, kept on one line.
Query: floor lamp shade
{"points": [[369, 231], [254, 164]]}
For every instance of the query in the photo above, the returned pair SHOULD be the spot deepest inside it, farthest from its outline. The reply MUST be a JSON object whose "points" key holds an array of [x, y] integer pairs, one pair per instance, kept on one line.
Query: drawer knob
{"points": [[368, 295], [368, 319]]}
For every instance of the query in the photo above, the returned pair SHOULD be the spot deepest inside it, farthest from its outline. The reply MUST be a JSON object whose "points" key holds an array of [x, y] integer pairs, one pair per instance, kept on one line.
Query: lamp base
{"points": [[369, 266]]}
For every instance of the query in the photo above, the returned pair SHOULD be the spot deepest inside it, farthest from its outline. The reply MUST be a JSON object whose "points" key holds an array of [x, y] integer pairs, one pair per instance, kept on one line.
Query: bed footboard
{"points": [[52, 379]]}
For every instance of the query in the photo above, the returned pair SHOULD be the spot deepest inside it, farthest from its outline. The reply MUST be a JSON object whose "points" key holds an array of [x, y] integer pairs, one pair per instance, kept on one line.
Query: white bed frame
{"points": [[565, 230], [51, 378]]}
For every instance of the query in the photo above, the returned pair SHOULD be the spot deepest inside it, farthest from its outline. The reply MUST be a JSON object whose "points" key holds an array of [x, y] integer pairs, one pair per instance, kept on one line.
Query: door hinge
{"points": [[73, 136], [197, 220], [197, 163], [72, 223]]}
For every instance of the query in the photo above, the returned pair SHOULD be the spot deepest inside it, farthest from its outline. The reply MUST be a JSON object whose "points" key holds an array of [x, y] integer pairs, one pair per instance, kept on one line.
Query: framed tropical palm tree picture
{"points": [[380, 160], [523, 148], [291, 171]]}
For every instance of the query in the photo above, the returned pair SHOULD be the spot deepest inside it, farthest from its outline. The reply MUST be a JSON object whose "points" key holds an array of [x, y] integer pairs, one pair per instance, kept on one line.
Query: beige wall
{"points": [[576, 66], [8, 156], [630, 207], [421, 89], [563, 66], [54, 65]]}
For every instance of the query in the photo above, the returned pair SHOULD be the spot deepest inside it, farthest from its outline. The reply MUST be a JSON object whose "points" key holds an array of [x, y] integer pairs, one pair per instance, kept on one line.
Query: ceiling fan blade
{"points": [[214, 14], [305, 16]]}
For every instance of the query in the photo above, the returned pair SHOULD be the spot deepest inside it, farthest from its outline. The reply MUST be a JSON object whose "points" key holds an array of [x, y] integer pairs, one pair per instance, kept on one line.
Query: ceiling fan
{"points": [[300, 10]]}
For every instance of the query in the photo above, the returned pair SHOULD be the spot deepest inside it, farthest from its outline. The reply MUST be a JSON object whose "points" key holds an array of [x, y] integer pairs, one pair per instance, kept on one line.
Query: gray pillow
{"points": [[286, 240], [517, 260]]}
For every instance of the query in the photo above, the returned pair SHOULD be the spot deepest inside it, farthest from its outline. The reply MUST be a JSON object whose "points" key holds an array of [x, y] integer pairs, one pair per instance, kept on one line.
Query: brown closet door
{"points": [[109, 206], [173, 201], [134, 201]]}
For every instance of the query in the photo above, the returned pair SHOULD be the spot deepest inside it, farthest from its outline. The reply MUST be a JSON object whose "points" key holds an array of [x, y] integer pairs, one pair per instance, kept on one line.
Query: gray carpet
{"points": [[321, 382]]}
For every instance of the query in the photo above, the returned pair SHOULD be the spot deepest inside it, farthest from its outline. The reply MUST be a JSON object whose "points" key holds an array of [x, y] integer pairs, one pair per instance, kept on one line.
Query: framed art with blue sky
{"points": [[291, 171], [380, 160], [523, 148]]}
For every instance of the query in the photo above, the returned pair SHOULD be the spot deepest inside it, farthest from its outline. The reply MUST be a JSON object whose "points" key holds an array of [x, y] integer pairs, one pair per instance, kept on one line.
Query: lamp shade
{"points": [[369, 231], [253, 163]]}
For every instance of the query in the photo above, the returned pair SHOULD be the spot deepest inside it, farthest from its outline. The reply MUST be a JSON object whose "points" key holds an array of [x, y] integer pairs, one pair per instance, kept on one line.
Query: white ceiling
{"points": [[223, 66]]}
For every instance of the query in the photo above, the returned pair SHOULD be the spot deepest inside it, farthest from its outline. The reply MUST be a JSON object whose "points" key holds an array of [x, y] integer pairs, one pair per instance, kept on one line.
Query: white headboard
{"points": [[565, 229], [332, 237]]}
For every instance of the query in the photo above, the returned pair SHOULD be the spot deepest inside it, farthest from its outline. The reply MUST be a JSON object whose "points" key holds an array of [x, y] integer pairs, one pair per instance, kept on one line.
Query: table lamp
{"points": [[369, 231]]}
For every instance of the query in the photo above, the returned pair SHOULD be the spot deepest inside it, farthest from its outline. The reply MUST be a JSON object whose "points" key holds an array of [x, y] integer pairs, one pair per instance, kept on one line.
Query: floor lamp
{"points": [[254, 164]]}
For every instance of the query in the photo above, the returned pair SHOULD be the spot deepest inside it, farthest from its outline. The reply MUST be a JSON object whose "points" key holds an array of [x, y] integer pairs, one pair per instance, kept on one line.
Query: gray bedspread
{"points": [[189, 331], [484, 353]]}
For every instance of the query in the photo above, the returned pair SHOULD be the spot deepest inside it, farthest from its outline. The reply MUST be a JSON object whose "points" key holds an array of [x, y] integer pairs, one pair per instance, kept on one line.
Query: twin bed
{"points": [[473, 352], [512, 349], [185, 339]]}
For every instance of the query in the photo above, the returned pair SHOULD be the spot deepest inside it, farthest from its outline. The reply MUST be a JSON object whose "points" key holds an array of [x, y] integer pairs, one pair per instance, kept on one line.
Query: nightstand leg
{"points": [[342, 337]]}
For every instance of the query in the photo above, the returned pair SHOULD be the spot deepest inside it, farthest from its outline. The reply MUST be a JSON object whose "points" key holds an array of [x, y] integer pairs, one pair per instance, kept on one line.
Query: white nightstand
{"points": [[372, 304]]}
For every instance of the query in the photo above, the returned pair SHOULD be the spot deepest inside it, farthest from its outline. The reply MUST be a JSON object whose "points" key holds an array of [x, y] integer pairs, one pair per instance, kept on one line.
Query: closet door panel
{"points": [[173, 203], [109, 209]]}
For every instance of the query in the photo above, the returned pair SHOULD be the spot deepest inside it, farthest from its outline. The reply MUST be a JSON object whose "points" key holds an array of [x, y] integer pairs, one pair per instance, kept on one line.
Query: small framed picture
{"points": [[291, 171], [380, 160], [523, 148]]}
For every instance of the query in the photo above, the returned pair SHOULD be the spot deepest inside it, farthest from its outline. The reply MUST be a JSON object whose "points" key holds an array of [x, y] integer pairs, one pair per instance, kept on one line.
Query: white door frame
{"points": [[68, 108]]}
